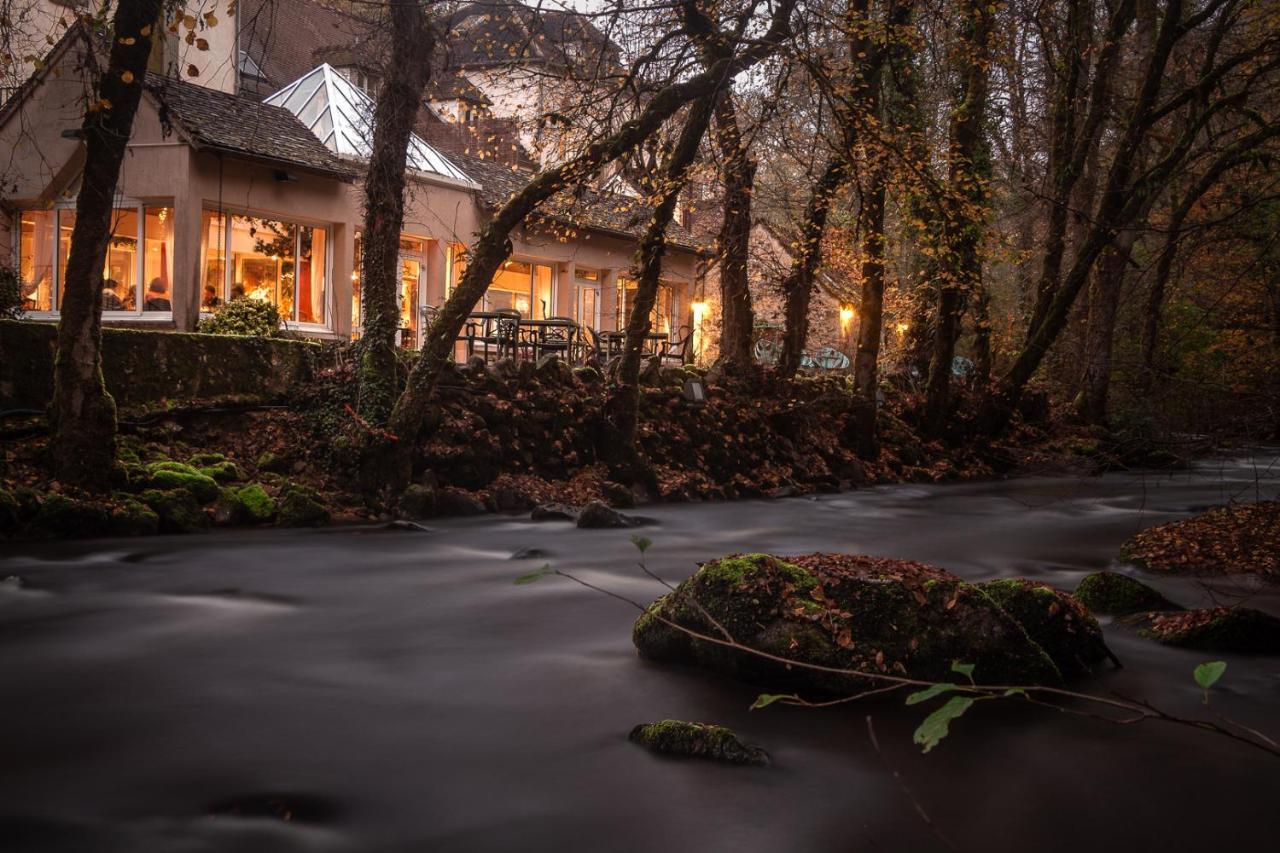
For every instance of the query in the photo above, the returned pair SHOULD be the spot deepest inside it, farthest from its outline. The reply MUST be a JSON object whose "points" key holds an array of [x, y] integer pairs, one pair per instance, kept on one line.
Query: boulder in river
{"points": [[697, 740], [1118, 595], [1215, 629], [847, 612], [598, 514], [553, 512], [1060, 624]]}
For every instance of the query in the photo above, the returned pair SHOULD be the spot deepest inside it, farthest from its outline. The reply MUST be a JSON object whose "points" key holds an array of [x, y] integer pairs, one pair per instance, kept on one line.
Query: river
{"points": [[395, 691]]}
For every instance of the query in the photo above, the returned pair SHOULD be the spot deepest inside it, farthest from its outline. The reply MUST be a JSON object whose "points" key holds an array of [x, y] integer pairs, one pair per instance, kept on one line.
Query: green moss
{"points": [[61, 517], [697, 740], [272, 462], [1054, 621], [744, 568], [1117, 594], [178, 510], [259, 505], [168, 475], [134, 518], [300, 506], [202, 460], [221, 472]]}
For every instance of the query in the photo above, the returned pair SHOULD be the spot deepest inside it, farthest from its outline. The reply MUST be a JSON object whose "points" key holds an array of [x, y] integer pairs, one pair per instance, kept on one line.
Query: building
{"points": [[234, 186]]}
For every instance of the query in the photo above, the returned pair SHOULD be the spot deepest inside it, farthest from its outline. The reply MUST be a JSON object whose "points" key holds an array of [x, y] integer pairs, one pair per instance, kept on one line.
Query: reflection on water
{"points": [[397, 692]]}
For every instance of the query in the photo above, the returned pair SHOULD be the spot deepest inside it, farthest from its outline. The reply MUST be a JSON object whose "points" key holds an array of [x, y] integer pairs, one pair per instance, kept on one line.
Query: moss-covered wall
{"points": [[144, 368]]}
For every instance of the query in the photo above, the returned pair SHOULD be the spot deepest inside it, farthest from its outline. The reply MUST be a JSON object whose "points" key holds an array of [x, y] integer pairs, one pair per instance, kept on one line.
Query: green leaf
{"points": [[936, 726], [1207, 674], [536, 574], [965, 669], [641, 542], [764, 700], [929, 692], [1016, 691]]}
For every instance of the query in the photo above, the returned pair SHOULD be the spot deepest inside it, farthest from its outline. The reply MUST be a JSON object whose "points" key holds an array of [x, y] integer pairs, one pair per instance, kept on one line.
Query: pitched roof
{"points": [[237, 125], [340, 115], [496, 32], [586, 208]]}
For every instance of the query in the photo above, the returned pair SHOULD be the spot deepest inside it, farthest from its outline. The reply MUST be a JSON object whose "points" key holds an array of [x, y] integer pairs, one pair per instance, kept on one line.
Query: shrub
{"points": [[244, 316], [10, 295]]}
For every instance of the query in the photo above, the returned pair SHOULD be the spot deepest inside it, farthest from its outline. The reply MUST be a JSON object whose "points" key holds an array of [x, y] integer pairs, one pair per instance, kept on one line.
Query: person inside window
{"points": [[111, 296], [157, 297]]}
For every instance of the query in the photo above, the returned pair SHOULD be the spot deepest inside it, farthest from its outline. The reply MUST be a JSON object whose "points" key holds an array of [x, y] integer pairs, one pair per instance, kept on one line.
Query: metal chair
{"points": [[678, 350]]}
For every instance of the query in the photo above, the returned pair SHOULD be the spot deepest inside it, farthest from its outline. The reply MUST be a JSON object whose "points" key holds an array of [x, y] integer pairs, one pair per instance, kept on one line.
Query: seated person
{"points": [[111, 297], [157, 297], [210, 298]]}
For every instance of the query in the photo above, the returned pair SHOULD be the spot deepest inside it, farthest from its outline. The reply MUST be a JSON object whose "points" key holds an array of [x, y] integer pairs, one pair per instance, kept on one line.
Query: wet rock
{"points": [[697, 740], [1060, 624], [597, 515], [1116, 594], [178, 510], [300, 506], [1217, 629], [228, 509], [133, 518], [458, 502], [529, 554], [618, 495], [418, 501], [554, 512], [842, 611]]}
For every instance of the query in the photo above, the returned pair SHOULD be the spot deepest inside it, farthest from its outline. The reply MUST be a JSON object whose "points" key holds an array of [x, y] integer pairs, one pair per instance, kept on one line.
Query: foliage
{"points": [[1236, 539], [244, 316], [11, 298]]}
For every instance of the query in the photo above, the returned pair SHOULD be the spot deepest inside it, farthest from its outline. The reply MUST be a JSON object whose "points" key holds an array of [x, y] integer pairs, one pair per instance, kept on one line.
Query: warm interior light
{"points": [[699, 309], [846, 313], [902, 328]]}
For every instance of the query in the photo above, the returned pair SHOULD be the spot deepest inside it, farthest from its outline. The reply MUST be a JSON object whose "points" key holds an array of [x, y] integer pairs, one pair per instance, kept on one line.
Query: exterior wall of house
{"points": [[217, 24]]}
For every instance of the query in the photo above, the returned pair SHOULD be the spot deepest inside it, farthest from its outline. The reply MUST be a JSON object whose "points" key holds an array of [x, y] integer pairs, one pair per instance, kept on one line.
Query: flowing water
{"points": [[378, 690]]}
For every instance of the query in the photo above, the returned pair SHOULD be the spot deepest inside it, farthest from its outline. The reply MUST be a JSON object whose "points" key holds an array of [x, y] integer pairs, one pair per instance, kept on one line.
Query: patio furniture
{"points": [[552, 335], [492, 333], [767, 351], [677, 351], [825, 358]]}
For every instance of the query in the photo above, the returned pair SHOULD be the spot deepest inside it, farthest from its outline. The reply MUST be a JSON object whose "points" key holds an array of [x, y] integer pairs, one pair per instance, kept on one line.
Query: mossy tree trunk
{"points": [[739, 173], [83, 414], [413, 42]]}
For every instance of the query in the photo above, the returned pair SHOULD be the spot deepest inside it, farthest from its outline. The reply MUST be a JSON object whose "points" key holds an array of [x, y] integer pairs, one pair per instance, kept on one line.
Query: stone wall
{"points": [[145, 368]]}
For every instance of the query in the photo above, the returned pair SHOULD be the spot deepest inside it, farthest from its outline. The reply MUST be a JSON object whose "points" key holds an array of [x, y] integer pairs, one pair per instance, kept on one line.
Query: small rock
{"points": [[529, 554], [418, 501], [300, 506], [458, 502], [1116, 594], [553, 512], [597, 515], [697, 740], [618, 495]]}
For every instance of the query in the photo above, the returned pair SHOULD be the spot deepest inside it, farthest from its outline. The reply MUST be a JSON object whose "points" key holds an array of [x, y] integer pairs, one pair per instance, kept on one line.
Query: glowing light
{"points": [[846, 314], [902, 328], [699, 309]]}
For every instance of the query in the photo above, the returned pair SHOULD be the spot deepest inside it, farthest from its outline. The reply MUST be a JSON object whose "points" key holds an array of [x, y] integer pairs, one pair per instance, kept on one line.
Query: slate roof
{"points": [[591, 209], [498, 32], [243, 126]]}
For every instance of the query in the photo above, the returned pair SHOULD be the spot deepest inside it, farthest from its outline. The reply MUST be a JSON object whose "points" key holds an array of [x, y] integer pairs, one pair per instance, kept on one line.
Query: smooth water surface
{"points": [[374, 690]]}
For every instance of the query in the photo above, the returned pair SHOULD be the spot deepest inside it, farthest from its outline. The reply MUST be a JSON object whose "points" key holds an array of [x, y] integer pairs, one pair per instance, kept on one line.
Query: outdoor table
{"points": [[615, 341], [543, 336]]}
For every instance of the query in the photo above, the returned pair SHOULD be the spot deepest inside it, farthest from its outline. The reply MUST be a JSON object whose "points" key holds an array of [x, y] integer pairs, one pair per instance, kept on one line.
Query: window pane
{"points": [[213, 259], [157, 259], [542, 291], [585, 274], [410, 275], [311, 274], [355, 291], [511, 288], [262, 261], [66, 224], [120, 275], [36, 260]]}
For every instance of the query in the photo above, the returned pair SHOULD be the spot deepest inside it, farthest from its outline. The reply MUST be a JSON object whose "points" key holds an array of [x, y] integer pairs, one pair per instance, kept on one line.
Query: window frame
{"points": [[139, 207], [225, 293]]}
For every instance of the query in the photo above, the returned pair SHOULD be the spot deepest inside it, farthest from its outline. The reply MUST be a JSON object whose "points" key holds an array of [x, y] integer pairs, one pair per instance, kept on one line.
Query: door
{"points": [[587, 304], [410, 280]]}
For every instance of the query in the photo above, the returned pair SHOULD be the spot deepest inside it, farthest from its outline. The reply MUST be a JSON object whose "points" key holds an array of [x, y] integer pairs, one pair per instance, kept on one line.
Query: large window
{"points": [[663, 307], [521, 285], [138, 271], [252, 257]]}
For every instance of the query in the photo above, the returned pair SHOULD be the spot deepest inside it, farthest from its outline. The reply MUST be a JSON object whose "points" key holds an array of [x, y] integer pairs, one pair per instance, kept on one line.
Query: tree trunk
{"points": [[739, 173], [963, 210], [797, 287], [622, 452], [83, 446], [412, 45], [392, 464], [982, 355], [1104, 303]]}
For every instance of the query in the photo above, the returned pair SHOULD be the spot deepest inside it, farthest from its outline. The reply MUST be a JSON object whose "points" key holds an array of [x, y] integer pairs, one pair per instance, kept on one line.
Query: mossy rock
{"points": [[178, 510], [1062, 626], [697, 740], [204, 460], [1118, 595], [273, 462], [418, 501], [841, 611], [1216, 629], [221, 472], [61, 517], [134, 518], [259, 505], [10, 514], [300, 506], [229, 509], [169, 475]]}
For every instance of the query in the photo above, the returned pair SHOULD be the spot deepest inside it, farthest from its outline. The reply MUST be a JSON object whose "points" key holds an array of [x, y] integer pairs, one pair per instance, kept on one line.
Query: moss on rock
{"points": [[841, 611], [697, 740], [169, 475], [222, 472], [1057, 622], [1217, 629], [133, 518], [61, 517], [178, 510], [300, 506], [259, 505], [1116, 594]]}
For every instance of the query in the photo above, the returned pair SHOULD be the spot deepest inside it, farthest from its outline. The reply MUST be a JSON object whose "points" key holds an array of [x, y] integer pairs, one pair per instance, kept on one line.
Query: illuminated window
{"points": [[253, 257], [523, 286], [136, 273], [660, 318]]}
